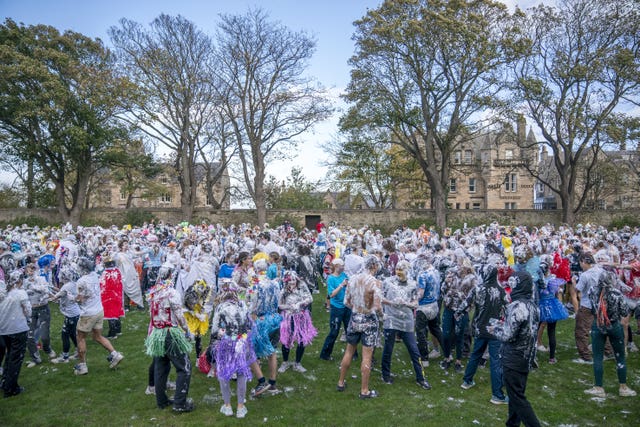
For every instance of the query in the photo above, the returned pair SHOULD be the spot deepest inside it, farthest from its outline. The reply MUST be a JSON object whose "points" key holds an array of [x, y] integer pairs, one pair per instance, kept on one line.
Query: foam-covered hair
{"points": [[260, 265]]}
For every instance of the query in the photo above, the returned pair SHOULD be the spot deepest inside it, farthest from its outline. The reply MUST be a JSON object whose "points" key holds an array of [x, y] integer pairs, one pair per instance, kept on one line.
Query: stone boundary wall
{"points": [[384, 218]]}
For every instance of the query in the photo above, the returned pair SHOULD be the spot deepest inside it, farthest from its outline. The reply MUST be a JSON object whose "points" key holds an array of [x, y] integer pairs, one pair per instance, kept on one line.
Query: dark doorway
{"points": [[310, 221]]}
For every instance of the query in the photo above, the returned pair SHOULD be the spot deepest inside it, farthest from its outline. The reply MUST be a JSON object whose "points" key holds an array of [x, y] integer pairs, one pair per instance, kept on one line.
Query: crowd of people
{"points": [[238, 294]]}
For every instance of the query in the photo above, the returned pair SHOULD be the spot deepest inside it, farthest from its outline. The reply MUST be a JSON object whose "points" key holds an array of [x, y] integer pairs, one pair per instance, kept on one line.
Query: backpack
{"points": [[608, 302]]}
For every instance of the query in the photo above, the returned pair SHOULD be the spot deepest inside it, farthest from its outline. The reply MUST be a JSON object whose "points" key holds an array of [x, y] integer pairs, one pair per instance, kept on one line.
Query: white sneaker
{"points": [[632, 347], [425, 363], [596, 391], [51, 354], [343, 337], [151, 390], [542, 348], [31, 363], [60, 359], [73, 356], [434, 354], [242, 412], [226, 410], [171, 385], [81, 369], [284, 367], [625, 391], [299, 368], [115, 359], [581, 361]]}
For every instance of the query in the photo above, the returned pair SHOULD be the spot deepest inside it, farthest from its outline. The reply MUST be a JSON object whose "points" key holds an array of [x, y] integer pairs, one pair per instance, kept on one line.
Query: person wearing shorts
{"points": [[91, 317], [363, 297]]}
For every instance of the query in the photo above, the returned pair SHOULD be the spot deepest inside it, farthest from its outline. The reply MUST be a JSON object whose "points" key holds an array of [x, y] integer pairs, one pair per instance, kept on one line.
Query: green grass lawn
{"points": [[104, 397]]}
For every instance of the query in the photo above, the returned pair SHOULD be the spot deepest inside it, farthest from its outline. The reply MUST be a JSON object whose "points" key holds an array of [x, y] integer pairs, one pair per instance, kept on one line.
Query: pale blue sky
{"points": [[329, 21]]}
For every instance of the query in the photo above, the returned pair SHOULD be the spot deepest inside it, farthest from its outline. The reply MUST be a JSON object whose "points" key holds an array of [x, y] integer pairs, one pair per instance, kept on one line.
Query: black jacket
{"points": [[490, 301], [520, 329]]}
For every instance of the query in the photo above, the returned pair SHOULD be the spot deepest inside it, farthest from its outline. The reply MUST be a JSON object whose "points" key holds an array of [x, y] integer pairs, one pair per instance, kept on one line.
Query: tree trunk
{"points": [[75, 216], [568, 216], [61, 202], [440, 209], [187, 187], [261, 208], [29, 184]]}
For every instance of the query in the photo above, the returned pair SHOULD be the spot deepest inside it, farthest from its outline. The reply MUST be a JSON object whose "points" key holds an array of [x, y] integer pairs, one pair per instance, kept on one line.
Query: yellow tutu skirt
{"points": [[196, 326]]}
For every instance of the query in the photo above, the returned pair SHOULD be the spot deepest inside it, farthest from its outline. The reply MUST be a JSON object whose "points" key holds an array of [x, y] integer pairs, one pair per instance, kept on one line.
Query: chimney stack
{"points": [[521, 129]]}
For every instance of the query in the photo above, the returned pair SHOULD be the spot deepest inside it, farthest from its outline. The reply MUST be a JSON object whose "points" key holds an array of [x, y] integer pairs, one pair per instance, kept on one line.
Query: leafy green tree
{"points": [[422, 71], [58, 104], [133, 166], [267, 98], [363, 161], [10, 197], [583, 66], [295, 193]]}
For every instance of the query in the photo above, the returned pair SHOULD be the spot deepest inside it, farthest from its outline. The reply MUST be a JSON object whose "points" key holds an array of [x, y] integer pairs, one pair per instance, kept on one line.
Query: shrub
{"points": [[138, 217], [620, 222], [30, 220]]}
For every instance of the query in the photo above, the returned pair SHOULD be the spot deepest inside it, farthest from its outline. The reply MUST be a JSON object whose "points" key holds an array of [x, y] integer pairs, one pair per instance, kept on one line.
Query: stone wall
{"points": [[383, 218]]}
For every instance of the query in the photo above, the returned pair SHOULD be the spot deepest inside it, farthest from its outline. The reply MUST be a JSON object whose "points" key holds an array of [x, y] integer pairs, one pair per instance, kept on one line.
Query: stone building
{"points": [[615, 181], [490, 171], [487, 172], [165, 192]]}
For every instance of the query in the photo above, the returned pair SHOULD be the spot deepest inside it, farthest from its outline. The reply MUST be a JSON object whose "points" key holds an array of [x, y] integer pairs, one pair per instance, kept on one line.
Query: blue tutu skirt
{"points": [[552, 310], [261, 334]]}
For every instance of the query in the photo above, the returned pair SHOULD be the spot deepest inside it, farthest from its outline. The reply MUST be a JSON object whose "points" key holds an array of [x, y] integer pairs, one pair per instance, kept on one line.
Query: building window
{"points": [[485, 157], [164, 179], [457, 158], [476, 206], [165, 198], [511, 182], [452, 185], [207, 200], [472, 185], [457, 205], [107, 197], [123, 195], [511, 205], [468, 155], [466, 205], [508, 154]]}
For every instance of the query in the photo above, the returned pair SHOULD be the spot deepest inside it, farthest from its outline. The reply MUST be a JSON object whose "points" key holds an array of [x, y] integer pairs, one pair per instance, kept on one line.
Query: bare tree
{"points": [[216, 154], [171, 64], [583, 65], [267, 99]]}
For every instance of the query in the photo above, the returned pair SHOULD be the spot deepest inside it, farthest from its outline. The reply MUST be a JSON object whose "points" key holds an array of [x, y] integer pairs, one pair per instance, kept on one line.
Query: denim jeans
{"points": [[616, 337], [337, 317], [453, 331], [479, 346], [409, 340], [39, 330]]}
